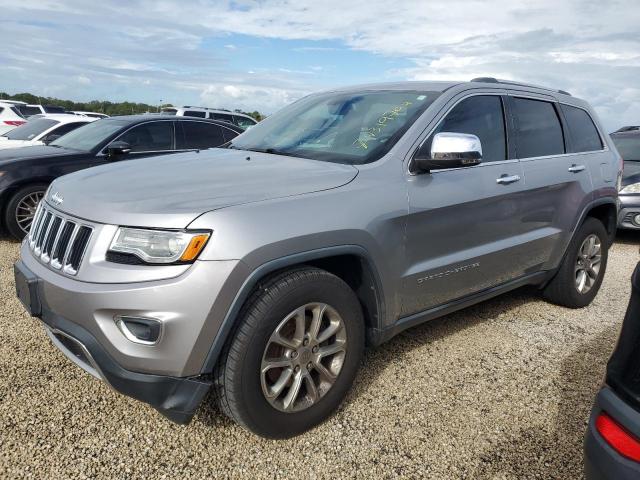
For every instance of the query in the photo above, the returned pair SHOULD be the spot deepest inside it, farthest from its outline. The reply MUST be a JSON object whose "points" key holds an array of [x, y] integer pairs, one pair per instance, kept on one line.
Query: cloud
{"points": [[246, 97], [587, 47], [83, 80]]}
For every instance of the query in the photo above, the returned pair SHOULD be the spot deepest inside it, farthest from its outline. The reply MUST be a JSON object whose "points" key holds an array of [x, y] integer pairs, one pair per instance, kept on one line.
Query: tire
{"points": [[564, 288], [239, 381], [15, 206]]}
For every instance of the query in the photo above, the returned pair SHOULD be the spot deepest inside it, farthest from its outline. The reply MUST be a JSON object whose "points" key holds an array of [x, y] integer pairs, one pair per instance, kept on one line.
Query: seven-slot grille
{"points": [[58, 241]]}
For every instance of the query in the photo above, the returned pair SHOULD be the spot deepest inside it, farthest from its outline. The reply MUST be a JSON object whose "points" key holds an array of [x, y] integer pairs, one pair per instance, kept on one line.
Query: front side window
{"points": [[343, 127], [32, 129], [199, 135], [628, 147], [150, 137], [66, 128], [539, 129], [584, 134], [482, 116]]}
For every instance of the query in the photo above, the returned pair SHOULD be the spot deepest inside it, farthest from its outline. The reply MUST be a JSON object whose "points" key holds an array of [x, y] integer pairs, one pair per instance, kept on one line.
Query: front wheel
{"points": [[294, 355], [21, 208], [582, 270]]}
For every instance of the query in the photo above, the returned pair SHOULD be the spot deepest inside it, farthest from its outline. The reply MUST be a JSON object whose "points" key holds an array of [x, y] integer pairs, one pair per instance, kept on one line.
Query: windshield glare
{"points": [[31, 129], [91, 135], [352, 128], [629, 147]]}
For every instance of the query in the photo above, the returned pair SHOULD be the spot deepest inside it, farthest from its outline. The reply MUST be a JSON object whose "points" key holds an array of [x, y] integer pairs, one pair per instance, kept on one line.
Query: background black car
{"points": [[26, 172]]}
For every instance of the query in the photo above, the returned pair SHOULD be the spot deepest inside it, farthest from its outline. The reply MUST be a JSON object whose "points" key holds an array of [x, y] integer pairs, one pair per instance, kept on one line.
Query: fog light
{"points": [[636, 219], [139, 329]]}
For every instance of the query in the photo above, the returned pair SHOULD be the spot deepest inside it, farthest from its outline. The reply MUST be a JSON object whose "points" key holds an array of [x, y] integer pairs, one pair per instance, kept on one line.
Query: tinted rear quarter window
{"points": [[28, 111], [193, 113], [200, 135], [583, 132], [539, 129]]}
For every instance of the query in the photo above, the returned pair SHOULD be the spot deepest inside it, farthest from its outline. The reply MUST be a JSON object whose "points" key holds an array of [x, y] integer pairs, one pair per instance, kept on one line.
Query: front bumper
{"points": [[629, 209], [177, 398], [601, 462]]}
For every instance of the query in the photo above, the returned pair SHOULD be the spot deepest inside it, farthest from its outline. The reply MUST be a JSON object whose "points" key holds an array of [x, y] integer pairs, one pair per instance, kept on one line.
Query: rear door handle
{"points": [[507, 179], [576, 168]]}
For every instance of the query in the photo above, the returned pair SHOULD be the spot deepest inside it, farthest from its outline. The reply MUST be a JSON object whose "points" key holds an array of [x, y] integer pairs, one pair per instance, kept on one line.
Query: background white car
{"points": [[240, 119], [10, 117], [42, 130], [89, 114], [29, 110]]}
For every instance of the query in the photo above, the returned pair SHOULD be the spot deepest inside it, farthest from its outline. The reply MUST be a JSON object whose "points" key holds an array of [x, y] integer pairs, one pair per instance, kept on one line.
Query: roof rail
{"points": [[509, 82]]}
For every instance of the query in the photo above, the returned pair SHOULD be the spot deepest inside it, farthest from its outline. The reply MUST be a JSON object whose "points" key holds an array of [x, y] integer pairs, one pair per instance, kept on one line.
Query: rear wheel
{"points": [[581, 273], [21, 208], [294, 355]]}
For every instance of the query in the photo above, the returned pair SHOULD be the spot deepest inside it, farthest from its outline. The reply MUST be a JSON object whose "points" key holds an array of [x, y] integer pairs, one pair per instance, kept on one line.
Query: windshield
{"points": [[91, 135], [629, 147], [351, 128], [31, 130]]}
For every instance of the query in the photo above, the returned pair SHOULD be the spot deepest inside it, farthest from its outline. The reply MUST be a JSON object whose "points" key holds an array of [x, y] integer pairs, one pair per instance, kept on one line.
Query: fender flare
{"points": [[230, 319]]}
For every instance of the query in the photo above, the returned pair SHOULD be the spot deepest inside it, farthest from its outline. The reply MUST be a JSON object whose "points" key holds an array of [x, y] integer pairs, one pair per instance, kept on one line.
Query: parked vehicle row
{"points": [[260, 270], [239, 119], [42, 130], [28, 171]]}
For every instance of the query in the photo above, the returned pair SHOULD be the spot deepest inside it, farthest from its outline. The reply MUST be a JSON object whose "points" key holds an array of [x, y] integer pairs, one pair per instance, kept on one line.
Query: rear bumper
{"points": [[177, 398], [629, 208], [601, 462]]}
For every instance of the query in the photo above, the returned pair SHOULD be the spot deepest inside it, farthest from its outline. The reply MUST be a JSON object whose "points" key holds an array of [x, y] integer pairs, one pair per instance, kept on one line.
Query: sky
{"points": [[262, 55]]}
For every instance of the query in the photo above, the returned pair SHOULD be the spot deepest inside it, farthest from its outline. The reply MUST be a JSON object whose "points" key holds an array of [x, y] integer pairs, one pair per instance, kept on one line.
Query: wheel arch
{"points": [[351, 263], [14, 187]]}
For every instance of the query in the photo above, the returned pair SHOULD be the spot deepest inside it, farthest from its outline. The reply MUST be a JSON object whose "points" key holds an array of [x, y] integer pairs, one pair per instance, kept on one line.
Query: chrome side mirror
{"points": [[449, 150]]}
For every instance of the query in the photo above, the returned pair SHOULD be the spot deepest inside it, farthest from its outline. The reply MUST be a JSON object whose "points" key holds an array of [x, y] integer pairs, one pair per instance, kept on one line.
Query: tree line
{"points": [[100, 106]]}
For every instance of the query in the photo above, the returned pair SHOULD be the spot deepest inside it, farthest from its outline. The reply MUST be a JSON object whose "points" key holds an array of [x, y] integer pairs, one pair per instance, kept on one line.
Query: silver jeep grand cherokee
{"points": [[261, 270]]}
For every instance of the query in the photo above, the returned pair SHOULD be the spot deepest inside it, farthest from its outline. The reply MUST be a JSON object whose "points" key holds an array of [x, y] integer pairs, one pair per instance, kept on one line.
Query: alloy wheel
{"points": [[587, 266], [26, 209], [303, 357]]}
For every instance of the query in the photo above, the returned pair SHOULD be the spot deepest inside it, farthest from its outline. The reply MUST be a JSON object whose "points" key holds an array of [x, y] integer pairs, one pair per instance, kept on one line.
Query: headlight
{"points": [[159, 246], [633, 188]]}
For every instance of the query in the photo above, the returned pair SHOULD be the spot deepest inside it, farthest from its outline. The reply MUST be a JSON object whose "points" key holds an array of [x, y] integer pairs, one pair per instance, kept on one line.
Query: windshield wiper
{"points": [[272, 151]]}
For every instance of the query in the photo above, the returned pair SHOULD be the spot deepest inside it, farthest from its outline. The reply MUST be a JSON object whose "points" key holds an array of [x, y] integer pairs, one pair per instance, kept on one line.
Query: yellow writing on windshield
{"points": [[374, 131]]}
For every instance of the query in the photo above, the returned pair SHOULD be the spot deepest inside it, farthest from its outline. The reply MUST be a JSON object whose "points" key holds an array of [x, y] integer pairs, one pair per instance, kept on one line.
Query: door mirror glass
{"points": [[449, 150], [118, 148]]}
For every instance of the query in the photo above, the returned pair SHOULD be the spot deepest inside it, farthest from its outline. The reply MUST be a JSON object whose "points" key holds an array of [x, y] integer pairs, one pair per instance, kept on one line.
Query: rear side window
{"points": [[222, 117], [193, 113], [583, 132], [53, 109], [539, 128], [1, 109], [150, 137], [27, 111], [243, 122], [483, 117], [199, 135]]}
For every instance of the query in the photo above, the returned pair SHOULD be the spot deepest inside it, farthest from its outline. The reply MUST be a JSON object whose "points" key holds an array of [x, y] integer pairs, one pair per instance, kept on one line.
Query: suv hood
{"points": [[171, 191]]}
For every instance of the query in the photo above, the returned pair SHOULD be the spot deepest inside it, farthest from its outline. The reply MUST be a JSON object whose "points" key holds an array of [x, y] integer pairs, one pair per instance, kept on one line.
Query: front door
{"points": [[463, 228]]}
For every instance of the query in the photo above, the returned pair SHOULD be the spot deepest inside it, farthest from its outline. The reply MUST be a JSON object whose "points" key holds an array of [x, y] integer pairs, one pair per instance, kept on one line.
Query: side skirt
{"points": [[379, 336]]}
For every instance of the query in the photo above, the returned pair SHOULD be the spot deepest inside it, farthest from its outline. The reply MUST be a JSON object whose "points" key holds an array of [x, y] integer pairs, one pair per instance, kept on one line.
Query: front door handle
{"points": [[576, 168], [507, 179]]}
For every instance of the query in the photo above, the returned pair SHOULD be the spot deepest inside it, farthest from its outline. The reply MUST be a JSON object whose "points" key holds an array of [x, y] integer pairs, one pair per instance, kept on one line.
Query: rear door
{"points": [[464, 233], [199, 135], [558, 184]]}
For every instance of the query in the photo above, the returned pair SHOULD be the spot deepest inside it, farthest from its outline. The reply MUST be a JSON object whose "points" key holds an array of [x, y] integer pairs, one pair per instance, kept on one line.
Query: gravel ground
{"points": [[500, 390]]}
